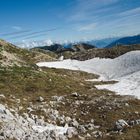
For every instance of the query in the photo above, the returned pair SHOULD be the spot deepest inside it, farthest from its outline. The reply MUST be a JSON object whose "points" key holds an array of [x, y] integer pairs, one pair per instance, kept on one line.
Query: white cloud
{"points": [[85, 9], [18, 28], [130, 12], [88, 27]]}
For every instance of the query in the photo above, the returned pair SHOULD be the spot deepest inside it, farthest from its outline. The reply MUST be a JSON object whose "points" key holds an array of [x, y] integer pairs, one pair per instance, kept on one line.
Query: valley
{"points": [[67, 99]]}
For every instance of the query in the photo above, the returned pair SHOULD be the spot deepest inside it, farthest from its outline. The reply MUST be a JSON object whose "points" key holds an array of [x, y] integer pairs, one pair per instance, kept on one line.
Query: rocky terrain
{"points": [[84, 51], [102, 52], [41, 103]]}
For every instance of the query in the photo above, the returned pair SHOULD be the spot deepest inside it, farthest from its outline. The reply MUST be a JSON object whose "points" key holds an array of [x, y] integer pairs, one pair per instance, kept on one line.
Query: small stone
{"points": [[97, 134], [75, 123], [61, 58], [81, 138], [88, 135], [90, 126], [29, 109], [92, 121], [136, 112], [120, 124], [20, 108], [132, 122], [75, 94], [138, 122], [40, 99], [62, 137], [18, 101], [2, 96], [126, 104], [70, 132], [82, 129], [58, 98], [68, 119]]}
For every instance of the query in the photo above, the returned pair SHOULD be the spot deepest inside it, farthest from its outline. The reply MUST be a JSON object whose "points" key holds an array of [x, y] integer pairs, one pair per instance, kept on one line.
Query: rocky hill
{"points": [[102, 52], [85, 51]]}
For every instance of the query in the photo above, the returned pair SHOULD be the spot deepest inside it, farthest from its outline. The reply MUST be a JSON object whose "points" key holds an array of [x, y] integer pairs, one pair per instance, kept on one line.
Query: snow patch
{"points": [[127, 85], [125, 69], [58, 129]]}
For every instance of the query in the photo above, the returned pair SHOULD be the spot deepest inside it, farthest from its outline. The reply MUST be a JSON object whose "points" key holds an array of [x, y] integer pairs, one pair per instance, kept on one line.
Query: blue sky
{"points": [[68, 19]]}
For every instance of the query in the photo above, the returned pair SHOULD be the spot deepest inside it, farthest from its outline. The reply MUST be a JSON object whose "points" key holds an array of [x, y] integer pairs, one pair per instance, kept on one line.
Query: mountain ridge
{"points": [[129, 40], [57, 48]]}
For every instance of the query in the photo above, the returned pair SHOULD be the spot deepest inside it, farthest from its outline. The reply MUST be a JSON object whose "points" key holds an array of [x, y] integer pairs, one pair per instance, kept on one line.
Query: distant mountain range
{"points": [[101, 43], [98, 43], [107, 42], [130, 40], [57, 48]]}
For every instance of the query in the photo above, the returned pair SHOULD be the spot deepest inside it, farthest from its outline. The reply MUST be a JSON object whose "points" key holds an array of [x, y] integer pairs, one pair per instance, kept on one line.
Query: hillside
{"points": [[85, 51], [11, 55], [39, 103], [102, 52], [130, 40]]}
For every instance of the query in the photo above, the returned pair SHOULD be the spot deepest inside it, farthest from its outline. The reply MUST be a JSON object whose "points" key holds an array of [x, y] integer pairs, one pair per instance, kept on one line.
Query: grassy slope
{"points": [[102, 105], [25, 56], [28, 83]]}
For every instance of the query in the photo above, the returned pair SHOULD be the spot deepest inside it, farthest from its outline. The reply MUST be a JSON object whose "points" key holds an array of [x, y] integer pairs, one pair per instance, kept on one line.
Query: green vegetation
{"points": [[103, 106]]}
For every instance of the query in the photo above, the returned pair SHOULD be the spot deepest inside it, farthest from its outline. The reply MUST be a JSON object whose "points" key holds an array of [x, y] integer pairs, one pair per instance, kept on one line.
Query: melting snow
{"points": [[125, 69], [127, 85]]}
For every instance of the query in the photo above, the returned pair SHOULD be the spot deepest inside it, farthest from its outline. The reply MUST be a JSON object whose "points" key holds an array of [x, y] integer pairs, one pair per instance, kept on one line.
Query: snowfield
{"points": [[127, 85], [125, 69]]}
